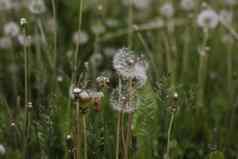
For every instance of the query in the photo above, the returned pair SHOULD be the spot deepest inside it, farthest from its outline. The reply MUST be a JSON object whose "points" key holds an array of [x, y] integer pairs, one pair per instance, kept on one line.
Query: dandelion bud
{"points": [[13, 124], [23, 22], [29, 105], [69, 143], [102, 81], [175, 96], [76, 92], [2, 150]]}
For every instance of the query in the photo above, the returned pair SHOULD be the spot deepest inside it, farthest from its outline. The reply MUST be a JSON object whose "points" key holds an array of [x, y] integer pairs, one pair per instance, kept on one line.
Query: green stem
{"points": [[130, 25], [76, 53], [55, 35], [202, 72], [85, 136], [169, 135], [118, 135], [26, 95]]}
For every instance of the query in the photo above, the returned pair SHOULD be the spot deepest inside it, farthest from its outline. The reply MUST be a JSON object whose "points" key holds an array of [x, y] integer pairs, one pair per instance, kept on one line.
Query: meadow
{"points": [[118, 79]]}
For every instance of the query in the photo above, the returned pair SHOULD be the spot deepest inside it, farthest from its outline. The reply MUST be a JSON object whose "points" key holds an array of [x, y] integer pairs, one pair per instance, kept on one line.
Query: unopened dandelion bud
{"points": [[23, 22], [76, 92], [29, 105], [13, 124]]}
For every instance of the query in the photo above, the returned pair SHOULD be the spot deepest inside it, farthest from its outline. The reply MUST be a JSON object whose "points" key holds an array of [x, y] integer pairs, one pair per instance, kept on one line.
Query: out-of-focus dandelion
{"points": [[187, 5], [5, 5], [60, 78], [2, 150], [23, 21], [11, 29], [226, 16], [227, 39], [80, 37], [96, 59], [37, 6], [142, 4], [130, 66], [167, 10], [230, 2], [5, 42], [98, 29], [24, 40], [139, 4], [208, 19]]}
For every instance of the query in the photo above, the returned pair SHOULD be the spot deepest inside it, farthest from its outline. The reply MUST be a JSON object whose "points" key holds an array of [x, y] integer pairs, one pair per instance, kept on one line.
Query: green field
{"points": [[118, 79]]}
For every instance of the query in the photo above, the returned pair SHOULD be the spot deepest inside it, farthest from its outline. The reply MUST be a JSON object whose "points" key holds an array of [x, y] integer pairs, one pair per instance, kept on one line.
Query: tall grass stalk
{"points": [[26, 94], [130, 24], [185, 66], [55, 32], [202, 72], [76, 53]]}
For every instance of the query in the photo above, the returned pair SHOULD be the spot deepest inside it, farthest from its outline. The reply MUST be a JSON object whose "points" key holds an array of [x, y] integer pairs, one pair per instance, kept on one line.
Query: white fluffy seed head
{"points": [[11, 29], [80, 37], [226, 16], [208, 19], [24, 40], [5, 42], [37, 6], [130, 66], [230, 2], [5, 5], [187, 5], [122, 103], [167, 10]]}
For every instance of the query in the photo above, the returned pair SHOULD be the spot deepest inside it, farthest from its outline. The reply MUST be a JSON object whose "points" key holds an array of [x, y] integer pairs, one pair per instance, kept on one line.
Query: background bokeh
{"points": [[168, 34]]}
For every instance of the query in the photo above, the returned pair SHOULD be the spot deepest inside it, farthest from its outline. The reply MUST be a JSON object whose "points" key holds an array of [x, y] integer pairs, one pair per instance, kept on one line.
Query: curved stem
{"points": [[169, 135]]}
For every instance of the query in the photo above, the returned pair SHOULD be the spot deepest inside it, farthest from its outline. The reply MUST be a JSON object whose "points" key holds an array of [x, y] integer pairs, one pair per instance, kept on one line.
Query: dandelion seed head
{"points": [[187, 5], [142, 4], [122, 103], [226, 16], [208, 19], [230, 2], [130, 66], [24, 40], [139, 4], [11, 29], [5, 42], [37, 6], [80, 37], [167, 10], [98, 29], [2, 150], [5, 5]]}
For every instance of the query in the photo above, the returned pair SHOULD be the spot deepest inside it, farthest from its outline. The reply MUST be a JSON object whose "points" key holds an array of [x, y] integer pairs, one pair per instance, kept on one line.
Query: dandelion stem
{"points": [[55, 33], [76, 53], [202, 72], [118, 135], [130, 25], [85, 136], [169, 135], [26, 96]]}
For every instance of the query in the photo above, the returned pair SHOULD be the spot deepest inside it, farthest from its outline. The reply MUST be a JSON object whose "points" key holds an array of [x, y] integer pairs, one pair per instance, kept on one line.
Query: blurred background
{"points": [[190, 46]]}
